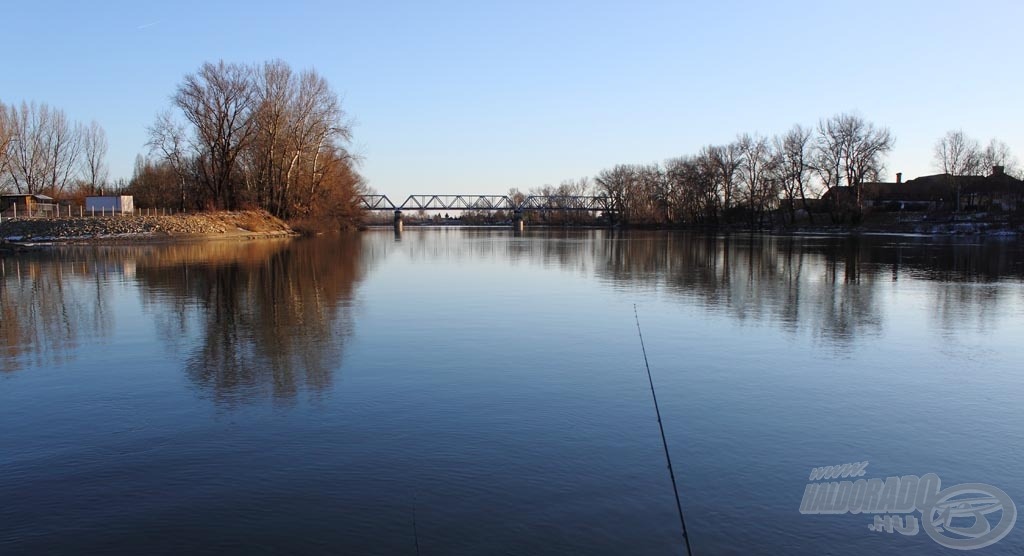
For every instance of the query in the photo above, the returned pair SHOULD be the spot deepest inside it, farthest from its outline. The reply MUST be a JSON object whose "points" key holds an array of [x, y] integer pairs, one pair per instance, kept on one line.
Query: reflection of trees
{"points": [[829, 285], [758, 278], [260, 318], [50, 305], [251, 317], [271, 317]]}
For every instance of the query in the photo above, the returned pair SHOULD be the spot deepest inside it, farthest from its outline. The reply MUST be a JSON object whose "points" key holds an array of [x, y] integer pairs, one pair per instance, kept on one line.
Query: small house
{"points": [[27, 205]]}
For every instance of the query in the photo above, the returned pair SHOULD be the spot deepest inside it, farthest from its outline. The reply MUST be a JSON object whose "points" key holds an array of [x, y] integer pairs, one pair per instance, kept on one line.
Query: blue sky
{"points": [[477, 97]]}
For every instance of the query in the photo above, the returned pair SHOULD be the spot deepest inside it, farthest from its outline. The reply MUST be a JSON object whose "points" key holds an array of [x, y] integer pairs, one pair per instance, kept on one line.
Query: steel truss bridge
{"points": [[489, 202]]}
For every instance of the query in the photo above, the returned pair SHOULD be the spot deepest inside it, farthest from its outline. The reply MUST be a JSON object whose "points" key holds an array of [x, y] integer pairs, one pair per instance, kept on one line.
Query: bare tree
{"points": [[167, 138], [997, 153], [94, 154], [726, 161], [6, 134], [827, 157], [866, 147], [957, 154], [757, 165], [316, 128], [262, 136], [852, 149], [693, 189], [653, 188], [300, 133], [44, 150], [794, 150], [267, 157], [577, 187], [516, 196], [154, 183], [64, 146], [616, 184], [560, 198], [24, 159], [220, 101]]}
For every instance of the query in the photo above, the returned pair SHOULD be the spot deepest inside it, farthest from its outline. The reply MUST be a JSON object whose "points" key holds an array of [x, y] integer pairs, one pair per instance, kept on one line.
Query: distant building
{"points": [[27, 204], [998, 191], [119, 204], [914, 195]]}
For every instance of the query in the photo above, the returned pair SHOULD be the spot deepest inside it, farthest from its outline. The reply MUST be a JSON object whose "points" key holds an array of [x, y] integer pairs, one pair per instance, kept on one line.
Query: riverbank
{"points": [[967, 224], [936, 229], [922, 224], [212, 225], [921, 229]]}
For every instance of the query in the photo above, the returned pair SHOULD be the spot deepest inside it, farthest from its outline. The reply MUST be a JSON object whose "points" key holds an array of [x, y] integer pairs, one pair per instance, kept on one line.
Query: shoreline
{"points": [[963, 229], [131, 229], [223, 227], [15, 248], [148, 238]]}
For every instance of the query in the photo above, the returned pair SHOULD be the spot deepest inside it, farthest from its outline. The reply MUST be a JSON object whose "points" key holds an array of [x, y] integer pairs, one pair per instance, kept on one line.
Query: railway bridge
{"points": [[451, 203]]}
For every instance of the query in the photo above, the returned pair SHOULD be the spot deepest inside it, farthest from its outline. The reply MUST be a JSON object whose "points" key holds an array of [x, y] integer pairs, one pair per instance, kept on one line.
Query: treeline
{"points": [[958, 154], [756, 181], [568, 188], [252, 136], [42, 151], [761, 182]]}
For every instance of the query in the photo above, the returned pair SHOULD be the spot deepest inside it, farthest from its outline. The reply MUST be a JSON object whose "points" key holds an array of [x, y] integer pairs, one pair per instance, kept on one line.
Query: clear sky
{"points": [[477, 97]]}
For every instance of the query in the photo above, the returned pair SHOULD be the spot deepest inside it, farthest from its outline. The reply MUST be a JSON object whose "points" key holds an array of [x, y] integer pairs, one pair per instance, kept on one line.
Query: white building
{"points": [[123, 204]]}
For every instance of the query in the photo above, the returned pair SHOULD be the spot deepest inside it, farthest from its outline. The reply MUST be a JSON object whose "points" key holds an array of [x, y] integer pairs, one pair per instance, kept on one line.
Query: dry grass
{"points": [[252, 221]]}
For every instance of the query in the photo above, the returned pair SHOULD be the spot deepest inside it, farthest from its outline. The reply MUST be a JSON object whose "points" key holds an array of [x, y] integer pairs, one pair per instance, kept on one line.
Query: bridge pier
{"points": [[517, 221], [398, 221]]}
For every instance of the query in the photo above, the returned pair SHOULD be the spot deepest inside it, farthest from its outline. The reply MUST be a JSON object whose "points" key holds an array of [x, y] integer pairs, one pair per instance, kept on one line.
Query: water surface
{"points": [[314, 396]]}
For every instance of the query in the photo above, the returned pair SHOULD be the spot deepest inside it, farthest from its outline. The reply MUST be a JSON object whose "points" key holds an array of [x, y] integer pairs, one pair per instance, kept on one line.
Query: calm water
{"points": [[313, 396]]}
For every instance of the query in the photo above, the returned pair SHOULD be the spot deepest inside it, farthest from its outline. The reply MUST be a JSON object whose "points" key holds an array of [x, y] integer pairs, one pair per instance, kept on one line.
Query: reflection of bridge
{"points": [[540, 203]]}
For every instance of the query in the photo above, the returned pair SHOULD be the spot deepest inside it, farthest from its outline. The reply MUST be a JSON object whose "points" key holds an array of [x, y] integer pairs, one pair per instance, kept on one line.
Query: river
{"points": [[473, 391]]}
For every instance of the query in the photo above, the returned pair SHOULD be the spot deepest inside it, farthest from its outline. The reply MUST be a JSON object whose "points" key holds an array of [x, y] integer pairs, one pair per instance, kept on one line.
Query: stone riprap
{"points": [[111, 227]]}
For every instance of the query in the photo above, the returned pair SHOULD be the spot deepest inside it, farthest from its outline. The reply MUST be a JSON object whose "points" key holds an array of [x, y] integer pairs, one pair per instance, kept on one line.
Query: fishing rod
{"points": [[664, 442], [415, 533]]}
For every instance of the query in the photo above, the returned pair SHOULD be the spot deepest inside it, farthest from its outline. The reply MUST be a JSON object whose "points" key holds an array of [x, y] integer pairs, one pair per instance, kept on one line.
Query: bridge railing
{"points": [[376, 202]]}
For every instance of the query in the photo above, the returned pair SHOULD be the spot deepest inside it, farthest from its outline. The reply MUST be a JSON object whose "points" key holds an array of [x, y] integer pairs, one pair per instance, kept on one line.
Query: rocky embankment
{"points": [[181, 226]]}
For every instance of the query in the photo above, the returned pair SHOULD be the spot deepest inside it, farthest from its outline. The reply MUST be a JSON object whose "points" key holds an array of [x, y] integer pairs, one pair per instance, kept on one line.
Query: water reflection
{"points": [[832, 286], [252, 319], [262, 318], [269, 318], [828, 287], [484, 371], [50, 306]]}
